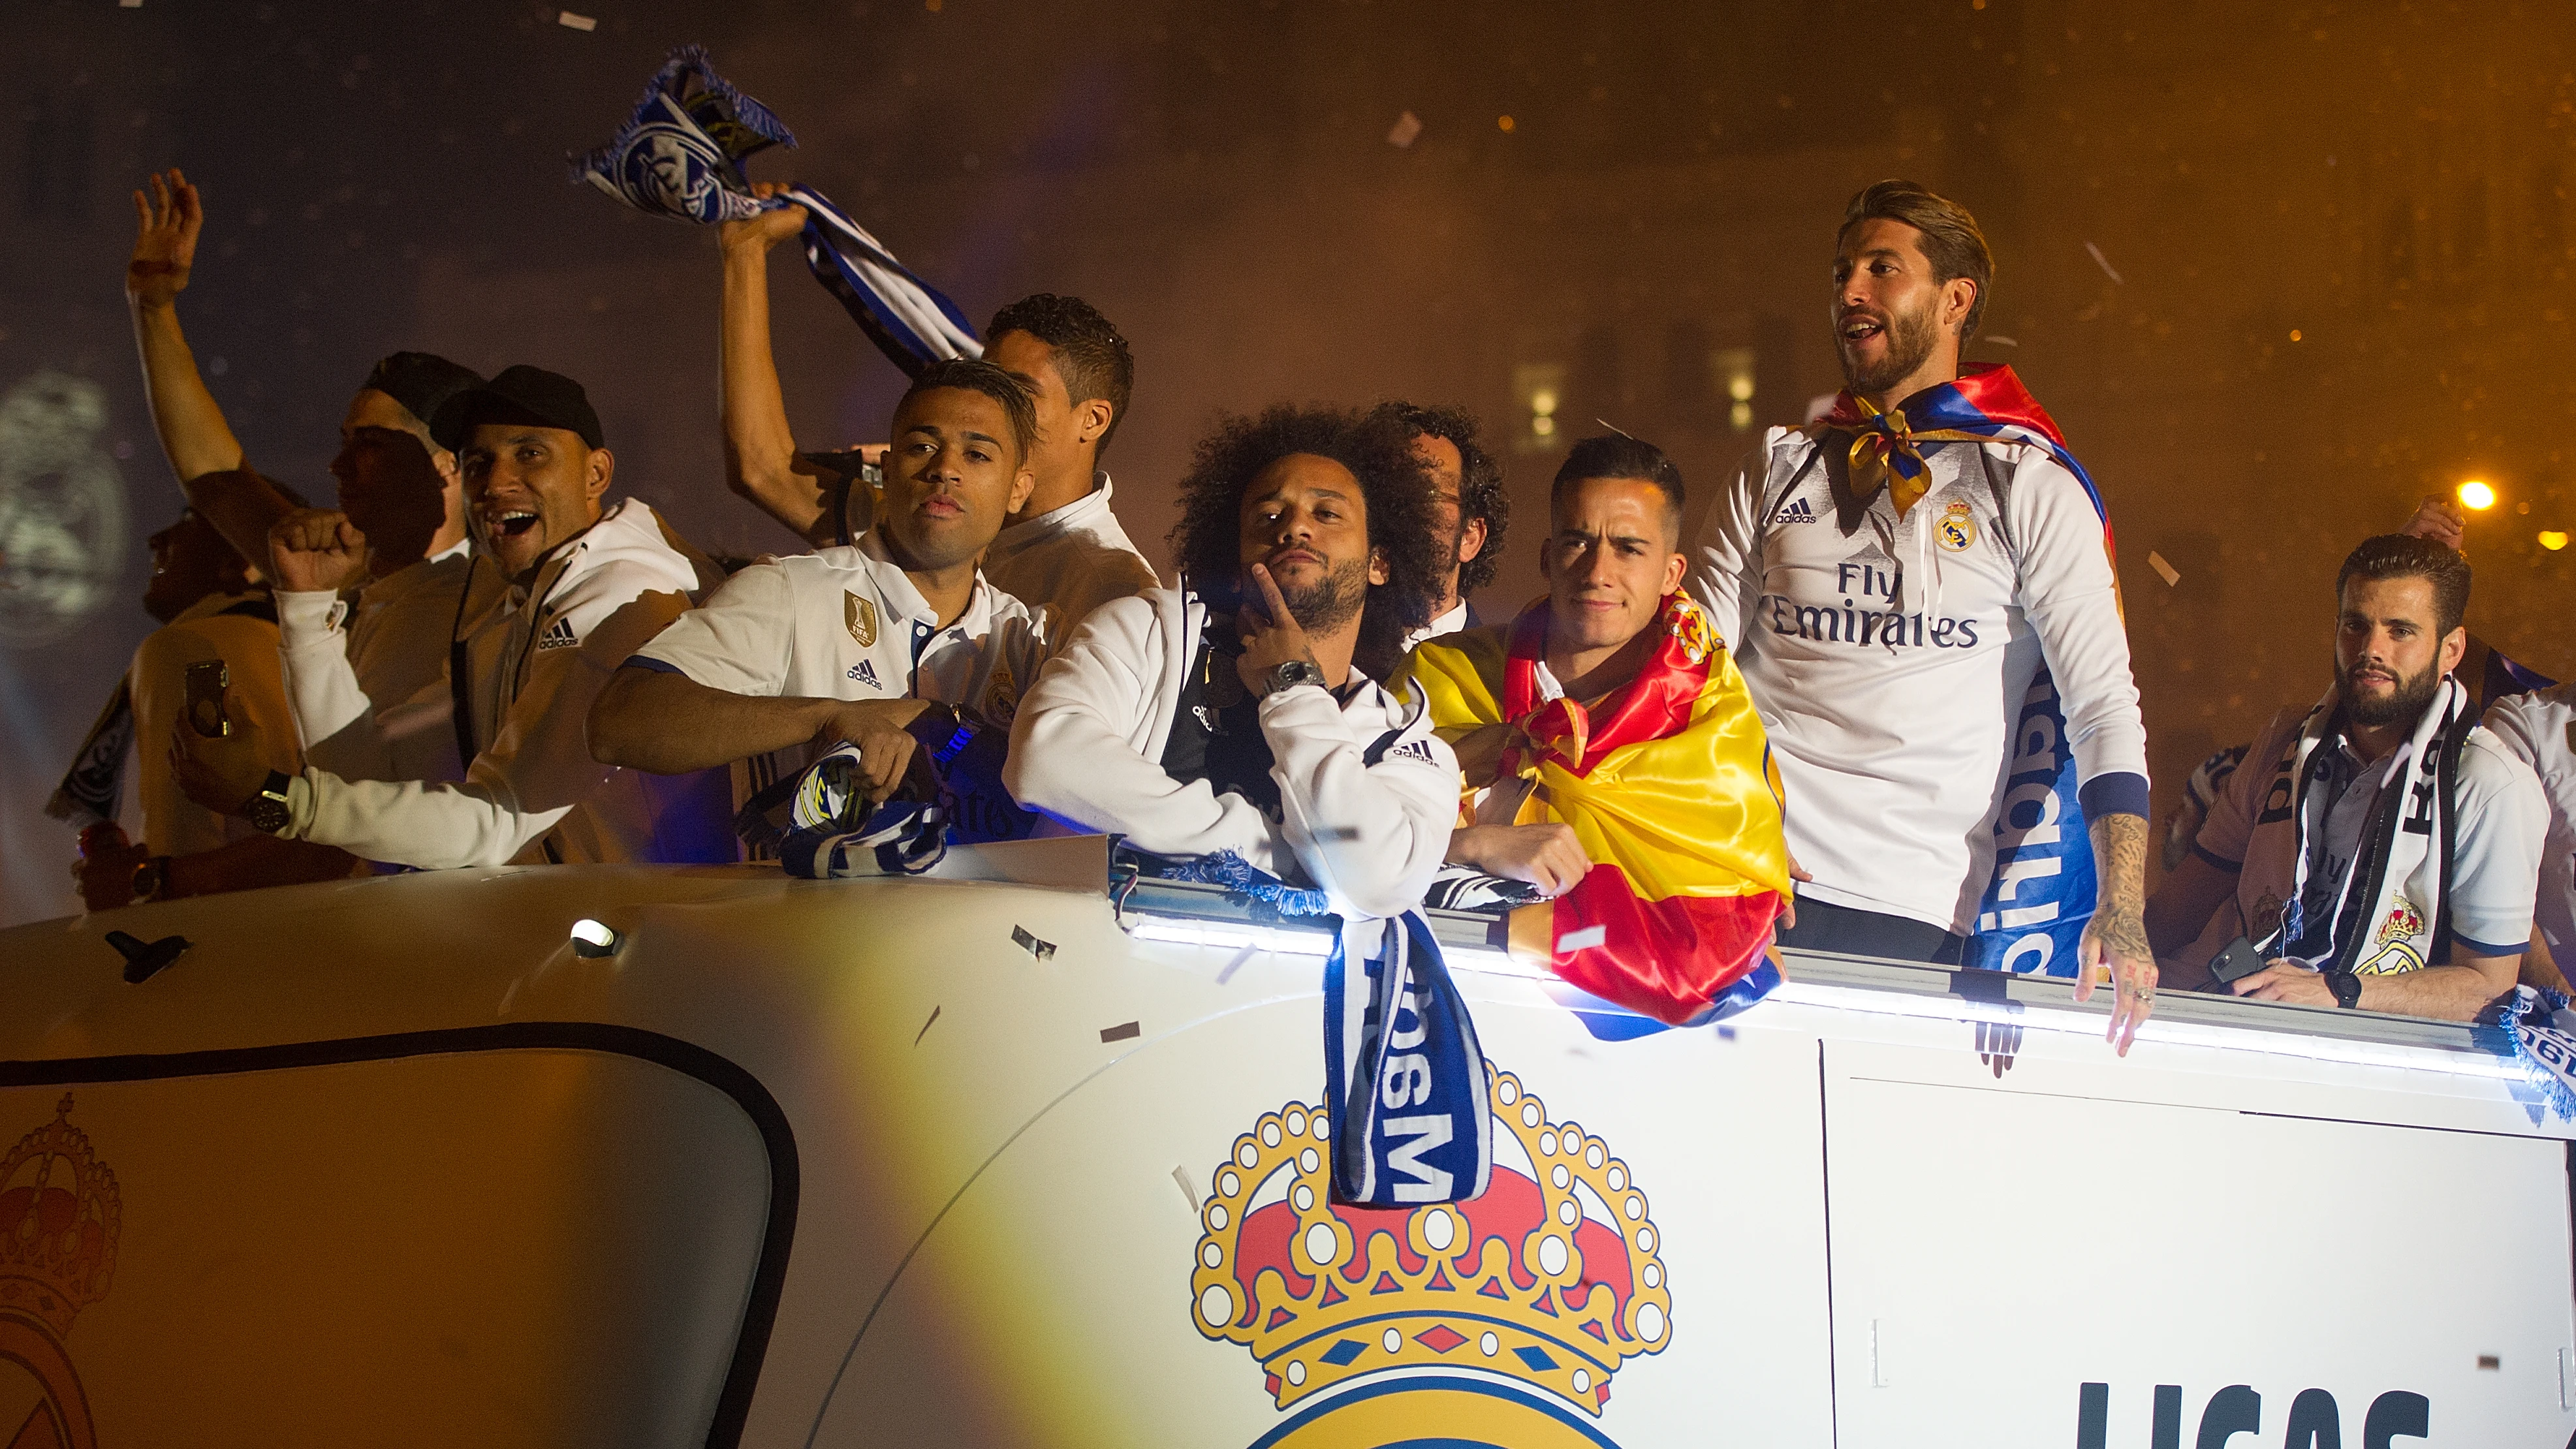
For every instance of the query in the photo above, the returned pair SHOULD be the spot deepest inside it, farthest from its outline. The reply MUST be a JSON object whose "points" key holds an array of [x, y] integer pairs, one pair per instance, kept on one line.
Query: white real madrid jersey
{"points": [[2540, 729], [845, 623], [1889, 657]]}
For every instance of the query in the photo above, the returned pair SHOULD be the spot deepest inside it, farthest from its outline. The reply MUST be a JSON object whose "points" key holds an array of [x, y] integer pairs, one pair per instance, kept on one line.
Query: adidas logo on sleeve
{"points": [[559, 635]]}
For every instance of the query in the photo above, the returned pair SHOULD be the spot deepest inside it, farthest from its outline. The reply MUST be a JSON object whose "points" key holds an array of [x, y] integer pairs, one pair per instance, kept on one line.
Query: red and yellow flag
{"points": [[1668, 783]]}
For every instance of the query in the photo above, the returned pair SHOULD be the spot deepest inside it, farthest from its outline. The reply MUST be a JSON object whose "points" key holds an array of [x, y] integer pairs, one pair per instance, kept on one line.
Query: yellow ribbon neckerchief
{"points": [[1884, 452]]}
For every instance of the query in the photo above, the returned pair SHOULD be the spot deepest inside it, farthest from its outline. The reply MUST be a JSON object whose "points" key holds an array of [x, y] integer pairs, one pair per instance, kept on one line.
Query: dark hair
{"points": [[1379, 452], [1952, 242], [1616, 455], [2404, 556], [1480, 480], [1090, 356], [421, 381], [969, 374]]}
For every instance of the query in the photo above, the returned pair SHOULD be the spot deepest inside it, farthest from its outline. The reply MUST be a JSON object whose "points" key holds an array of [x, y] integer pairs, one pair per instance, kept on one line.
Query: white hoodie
{"points": [[1367, 792], [533, 792]]}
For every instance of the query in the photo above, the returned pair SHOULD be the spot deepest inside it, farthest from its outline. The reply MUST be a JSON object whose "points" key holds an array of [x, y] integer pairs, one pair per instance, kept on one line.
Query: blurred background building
{"points": [[2278, 271]]}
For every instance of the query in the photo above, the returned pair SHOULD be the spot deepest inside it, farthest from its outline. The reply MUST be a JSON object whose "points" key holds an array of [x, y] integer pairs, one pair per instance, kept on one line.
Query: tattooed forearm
{"points": [[2120, 864]]}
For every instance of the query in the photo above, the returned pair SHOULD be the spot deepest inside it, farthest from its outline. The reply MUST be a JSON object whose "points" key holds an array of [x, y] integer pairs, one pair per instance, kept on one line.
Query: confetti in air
{"points": [[2104, 263], [1577, 940], [1406, 127], [2164, 570], [570, 21]]}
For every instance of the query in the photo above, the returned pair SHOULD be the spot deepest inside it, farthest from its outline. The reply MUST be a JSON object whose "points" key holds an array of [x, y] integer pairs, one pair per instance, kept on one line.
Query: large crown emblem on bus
{"points": [[1552, 1277], [58, 1219]]}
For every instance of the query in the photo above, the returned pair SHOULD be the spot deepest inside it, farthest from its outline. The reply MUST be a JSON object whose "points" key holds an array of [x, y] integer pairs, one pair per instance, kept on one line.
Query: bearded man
{"points": [[1893, 582], [2383, 847], [1239, 714]]}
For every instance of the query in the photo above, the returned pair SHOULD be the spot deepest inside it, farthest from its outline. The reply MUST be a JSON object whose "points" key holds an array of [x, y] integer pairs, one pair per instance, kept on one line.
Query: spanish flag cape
{"points": [[1668, 782]]}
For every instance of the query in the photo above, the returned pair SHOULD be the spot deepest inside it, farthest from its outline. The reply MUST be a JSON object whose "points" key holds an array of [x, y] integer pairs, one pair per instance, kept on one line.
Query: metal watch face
{"points": [[266, 813], [1295, 671]]}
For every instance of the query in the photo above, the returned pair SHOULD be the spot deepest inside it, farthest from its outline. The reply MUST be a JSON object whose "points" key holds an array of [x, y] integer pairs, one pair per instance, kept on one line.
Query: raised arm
{"points": [[199, 443], [760, 450]]}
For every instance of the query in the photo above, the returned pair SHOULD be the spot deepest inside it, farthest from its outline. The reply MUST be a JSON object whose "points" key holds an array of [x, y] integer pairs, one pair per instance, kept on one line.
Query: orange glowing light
{"points": [[2294, 334], [2552, 539], [1504, 122], [2474, 494]]}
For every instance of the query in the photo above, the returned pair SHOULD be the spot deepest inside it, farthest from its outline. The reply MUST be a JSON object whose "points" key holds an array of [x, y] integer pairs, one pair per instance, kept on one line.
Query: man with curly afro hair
{"points": [[1239, 714], [1469, 508]]}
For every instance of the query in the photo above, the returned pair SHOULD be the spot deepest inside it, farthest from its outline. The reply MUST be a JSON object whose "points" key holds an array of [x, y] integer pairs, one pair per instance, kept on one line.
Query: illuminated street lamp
{"points": [[2476, 495]]}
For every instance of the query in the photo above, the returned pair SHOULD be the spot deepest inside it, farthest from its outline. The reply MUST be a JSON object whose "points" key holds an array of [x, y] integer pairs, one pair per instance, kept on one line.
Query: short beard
{"points": [[1330, 602], [1911, 336], [2402, 706]]}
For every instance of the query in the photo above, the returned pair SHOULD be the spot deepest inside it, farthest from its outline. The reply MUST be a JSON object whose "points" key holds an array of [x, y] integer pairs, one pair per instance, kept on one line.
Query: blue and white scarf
{"points": [[680, 155], [835, 835], [1404, 1078]]}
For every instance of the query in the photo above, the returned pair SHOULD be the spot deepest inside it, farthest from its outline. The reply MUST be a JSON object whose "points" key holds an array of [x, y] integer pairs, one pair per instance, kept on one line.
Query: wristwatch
{"points": [[267, 811], [1292, 674], [2346, 988], [149, 876]]}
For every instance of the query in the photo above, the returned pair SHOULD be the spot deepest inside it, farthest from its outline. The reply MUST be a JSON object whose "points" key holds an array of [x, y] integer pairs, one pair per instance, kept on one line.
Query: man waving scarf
{"points": [[1613, 759], [2033, 908], [680, 155]]}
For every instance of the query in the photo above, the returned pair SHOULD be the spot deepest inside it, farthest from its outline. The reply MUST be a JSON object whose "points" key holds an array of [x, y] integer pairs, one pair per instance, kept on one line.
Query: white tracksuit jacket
{"points": [[533, 793], [1890, 664], [2540, 729], [1088, 744]]}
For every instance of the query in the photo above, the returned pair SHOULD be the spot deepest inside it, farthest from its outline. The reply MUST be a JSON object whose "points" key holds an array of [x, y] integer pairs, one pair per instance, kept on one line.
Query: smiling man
{"points": [[1893, 581], [1611, 757], [582, 585], [1239, 714], [891, 643], [2383, 848], [1062, 548]]}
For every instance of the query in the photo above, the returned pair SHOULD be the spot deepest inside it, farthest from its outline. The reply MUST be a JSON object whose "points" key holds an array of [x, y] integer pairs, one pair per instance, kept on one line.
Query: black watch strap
{"points": [[268, 811], [2346, 988]]}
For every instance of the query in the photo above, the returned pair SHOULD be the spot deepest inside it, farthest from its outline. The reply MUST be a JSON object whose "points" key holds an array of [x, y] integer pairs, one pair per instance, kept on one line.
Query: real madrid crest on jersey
{"points": [[861, 615], [1956, 528]]}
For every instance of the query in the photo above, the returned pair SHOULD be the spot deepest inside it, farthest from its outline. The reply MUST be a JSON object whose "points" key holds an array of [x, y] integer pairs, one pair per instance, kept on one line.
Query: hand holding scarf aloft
{"points": [[680, 154], [1668, 783]]}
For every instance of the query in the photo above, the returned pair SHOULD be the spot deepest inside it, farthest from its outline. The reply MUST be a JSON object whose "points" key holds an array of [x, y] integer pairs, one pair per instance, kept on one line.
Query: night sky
{"points": [[2276, 271]]}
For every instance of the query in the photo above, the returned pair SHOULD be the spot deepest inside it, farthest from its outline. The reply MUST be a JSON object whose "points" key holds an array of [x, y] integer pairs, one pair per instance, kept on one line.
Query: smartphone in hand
{"points": [[2237, 962], [205, 698]]}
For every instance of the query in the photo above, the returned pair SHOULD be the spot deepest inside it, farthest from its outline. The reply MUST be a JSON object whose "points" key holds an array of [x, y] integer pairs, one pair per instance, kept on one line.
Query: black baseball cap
{"points": [[421, 381], [521, 394]]}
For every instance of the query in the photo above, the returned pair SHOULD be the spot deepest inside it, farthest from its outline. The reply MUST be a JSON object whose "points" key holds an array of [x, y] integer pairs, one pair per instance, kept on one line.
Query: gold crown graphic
{"points": [[58, 1221], [1551, 1277]]}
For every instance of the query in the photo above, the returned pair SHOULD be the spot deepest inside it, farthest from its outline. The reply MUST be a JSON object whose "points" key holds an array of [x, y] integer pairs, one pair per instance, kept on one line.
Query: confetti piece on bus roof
{"points": [[2003, 341], [1226, 974], [1189, 1192], [2164, 570], [925, 1027], [1406, 127], [2104, 263], [1123, 1031], [1021, 938], [1577, 940], [570, 21]]}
